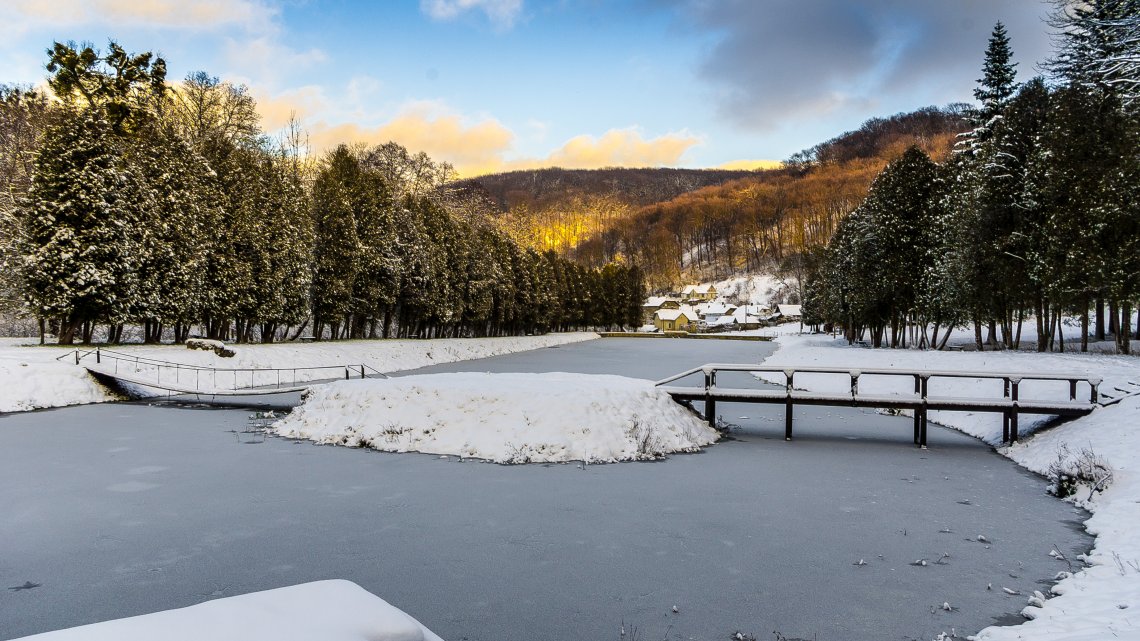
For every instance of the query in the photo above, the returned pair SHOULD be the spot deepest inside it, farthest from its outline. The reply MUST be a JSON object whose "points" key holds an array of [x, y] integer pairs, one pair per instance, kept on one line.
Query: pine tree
{"points": [[80, 262]]}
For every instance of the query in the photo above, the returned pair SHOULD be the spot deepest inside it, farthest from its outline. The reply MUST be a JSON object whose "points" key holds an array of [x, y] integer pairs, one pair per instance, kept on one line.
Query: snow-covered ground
{"points": [[505, 418], [327, 610], [1099, 601], [758, 289], [33, 376]]}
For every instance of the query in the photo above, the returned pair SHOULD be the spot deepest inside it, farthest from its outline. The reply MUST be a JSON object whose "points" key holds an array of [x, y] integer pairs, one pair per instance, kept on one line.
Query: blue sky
{"points": [[501, 84]]}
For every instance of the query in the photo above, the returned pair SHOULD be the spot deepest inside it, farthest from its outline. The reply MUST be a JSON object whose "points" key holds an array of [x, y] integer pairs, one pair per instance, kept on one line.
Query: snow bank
{"points": [[505, 418], [1096, 602], [326, 610], [33, 377]]}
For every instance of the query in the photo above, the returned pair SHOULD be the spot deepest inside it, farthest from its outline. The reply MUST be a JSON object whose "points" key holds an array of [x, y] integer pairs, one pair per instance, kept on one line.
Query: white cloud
{"points": [[20, 16], [502, 13]]}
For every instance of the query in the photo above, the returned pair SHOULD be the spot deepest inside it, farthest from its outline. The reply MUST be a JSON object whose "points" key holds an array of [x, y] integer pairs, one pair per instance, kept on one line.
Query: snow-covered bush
{"points": [[1071, 471], [218, 347]]}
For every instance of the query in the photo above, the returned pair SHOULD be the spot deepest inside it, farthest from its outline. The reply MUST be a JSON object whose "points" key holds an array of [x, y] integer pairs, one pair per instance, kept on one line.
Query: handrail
{"points": [[240, 382]]}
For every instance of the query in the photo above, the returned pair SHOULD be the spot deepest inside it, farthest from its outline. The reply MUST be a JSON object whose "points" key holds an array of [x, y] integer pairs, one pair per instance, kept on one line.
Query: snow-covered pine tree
{"points": [[80, 261]]}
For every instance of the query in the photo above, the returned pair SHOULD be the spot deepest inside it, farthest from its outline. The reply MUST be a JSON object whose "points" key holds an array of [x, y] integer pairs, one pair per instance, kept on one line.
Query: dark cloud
{"points": [[771, 61]]}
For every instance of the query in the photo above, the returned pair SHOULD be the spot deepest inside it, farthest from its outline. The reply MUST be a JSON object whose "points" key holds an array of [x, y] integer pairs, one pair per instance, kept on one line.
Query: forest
{"points": [[130, 202], [1035, 215]]}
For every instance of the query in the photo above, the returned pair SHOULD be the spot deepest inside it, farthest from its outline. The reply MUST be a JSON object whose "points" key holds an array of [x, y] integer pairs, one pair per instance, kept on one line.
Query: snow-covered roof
{"points": [[672, 314], [658, 301], [790, 311], [715, 307], [689, 289], [723, 320]]}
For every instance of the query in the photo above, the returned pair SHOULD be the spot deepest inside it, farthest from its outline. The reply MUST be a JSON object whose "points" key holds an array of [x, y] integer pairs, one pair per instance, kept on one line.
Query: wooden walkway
{"points": [[1010, 405]]}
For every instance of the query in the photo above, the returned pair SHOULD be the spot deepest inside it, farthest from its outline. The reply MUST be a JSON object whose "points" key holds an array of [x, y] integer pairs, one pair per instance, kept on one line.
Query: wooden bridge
{"points": [[1010, 405], [118, 368]]}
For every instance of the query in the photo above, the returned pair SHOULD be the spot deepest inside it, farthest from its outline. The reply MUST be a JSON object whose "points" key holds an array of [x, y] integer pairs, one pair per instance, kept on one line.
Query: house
{"points": [[654, 303], [710, 312], [789, 312], [698, 293], [670, 320]]}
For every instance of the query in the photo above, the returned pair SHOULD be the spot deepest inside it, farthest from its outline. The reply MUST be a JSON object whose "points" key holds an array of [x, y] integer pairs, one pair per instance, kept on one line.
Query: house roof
{"points": [[655, 301], [790, 310], [671, 314]]}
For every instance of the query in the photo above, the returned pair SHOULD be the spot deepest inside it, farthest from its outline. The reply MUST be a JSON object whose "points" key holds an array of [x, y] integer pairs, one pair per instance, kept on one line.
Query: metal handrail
{"points": [[199, 372]]}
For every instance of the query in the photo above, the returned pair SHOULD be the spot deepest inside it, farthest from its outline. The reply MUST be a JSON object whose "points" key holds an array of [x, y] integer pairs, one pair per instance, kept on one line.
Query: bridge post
{"points": [[1013, 412], [917, 411], [710, 403], [1005, 414], [788, 374], [922, 429]]}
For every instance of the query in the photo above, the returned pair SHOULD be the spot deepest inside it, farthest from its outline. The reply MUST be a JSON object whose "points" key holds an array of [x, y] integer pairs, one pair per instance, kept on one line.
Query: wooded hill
{"points": [[702, 224]]}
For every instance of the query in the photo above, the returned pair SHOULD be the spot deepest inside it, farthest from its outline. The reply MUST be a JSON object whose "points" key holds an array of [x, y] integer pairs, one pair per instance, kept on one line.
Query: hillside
{"points": [[704, 225]]}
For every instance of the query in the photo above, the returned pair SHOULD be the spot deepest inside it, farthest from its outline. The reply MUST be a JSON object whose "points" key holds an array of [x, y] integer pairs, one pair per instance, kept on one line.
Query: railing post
{"points": [[361, 371], [1072, 389], [854, 384], [1013, 411], [788, 375], [98, 356], [1006, 413], [922, 428], [710, 402], [917, 412], [77, 356], [346, 373], [1094, 395]]}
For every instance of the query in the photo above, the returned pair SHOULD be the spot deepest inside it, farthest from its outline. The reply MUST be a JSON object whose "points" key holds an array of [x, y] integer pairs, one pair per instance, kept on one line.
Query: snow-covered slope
{"points": [[506, 418], [34, 377]]}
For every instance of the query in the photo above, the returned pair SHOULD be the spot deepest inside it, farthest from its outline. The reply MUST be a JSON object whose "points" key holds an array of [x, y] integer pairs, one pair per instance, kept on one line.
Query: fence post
{"points": [[98, 356], [788, 375], [1005, 414], [1072, 389], [1094, 385], [854, 384], [346, 373]]}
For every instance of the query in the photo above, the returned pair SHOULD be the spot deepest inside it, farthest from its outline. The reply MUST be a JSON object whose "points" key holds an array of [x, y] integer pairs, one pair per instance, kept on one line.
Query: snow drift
{"points": [[505, 418], [328, 610]]}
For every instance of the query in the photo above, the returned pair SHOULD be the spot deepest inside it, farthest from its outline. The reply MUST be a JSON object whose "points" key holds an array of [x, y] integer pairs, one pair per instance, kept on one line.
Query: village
{"points": [[701, 308]]}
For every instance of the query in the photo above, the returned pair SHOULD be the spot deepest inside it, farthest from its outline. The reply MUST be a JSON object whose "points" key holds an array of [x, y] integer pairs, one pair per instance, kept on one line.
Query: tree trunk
{"points": [[1099, 320], [1085, 325], [977, 334], [1125, 333]]}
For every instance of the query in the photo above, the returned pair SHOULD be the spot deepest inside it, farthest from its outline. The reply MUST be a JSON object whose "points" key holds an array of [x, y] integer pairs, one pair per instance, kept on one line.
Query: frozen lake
{"points": [[124, 509]]}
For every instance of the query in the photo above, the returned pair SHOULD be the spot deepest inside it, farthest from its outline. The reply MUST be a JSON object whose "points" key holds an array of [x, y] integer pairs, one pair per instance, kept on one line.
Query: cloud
{"points": [[473, 146], [502, 13], [751, 165], [267, 59], [621, 148], [170, 14], [780, 60]]}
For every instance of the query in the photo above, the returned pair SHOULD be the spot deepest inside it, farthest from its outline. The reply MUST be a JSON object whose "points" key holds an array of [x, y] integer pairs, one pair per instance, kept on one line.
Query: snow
{"points": [[1094, 602], [505, 418], [333, 610], [35, 377], [758, 289]]}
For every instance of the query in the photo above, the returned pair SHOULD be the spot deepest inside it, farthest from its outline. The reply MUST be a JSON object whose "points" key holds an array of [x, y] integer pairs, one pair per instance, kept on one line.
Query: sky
{"points": [[495, 85]]}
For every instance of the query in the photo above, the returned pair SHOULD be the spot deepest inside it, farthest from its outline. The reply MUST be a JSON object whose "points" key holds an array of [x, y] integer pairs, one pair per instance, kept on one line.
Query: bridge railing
{"points": [[184, 377], [1010, 404]]}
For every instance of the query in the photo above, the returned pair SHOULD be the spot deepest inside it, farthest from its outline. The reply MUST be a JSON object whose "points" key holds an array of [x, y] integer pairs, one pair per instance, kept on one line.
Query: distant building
{"points": [[654, 303], [698, 293], [670, 320], [789, 312]]}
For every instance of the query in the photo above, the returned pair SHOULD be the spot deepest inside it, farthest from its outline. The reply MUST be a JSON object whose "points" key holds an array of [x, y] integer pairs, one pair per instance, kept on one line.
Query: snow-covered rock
{"points": [[327, 610], [505, 418]]}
